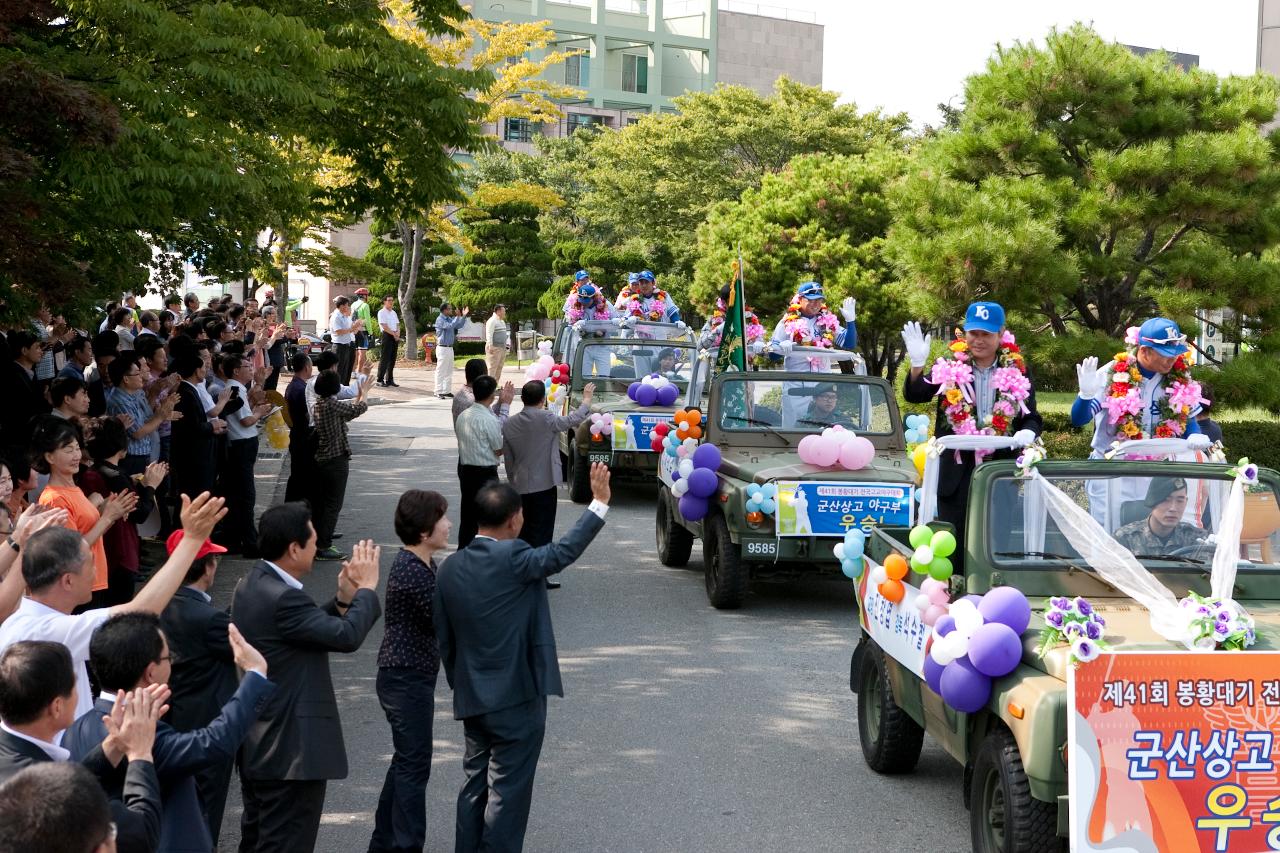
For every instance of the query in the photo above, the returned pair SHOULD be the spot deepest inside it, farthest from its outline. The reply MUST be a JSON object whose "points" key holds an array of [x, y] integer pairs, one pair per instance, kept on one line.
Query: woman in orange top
{"points": [[56, 451]]}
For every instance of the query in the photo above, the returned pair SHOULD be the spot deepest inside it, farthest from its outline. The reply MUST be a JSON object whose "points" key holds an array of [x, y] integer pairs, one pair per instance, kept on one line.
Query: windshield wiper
{"points": [[1171, 558], [756, 422], [1047, 555], [815, 423]]}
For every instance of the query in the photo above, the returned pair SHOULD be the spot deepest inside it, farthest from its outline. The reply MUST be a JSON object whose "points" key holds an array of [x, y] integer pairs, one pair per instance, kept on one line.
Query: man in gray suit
{"points": [[499, 654], [296, 746]]}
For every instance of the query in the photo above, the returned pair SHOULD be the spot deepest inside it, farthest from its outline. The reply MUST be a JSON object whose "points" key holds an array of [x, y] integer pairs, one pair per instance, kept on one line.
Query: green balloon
{"points": [[940, 569], [919, 566], [920, 535], [944, 543]]}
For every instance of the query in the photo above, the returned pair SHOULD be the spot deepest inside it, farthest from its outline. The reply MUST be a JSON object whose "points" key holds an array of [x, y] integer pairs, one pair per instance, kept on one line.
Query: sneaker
{"points": [[443, 396], [330, 553], [450, 396], [336, 536], [397, 385]]}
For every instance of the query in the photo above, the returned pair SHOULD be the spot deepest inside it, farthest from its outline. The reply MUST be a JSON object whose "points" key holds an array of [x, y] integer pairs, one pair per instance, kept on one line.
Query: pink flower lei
{"points": [[573, 310], [954, 379], [755, 331]]}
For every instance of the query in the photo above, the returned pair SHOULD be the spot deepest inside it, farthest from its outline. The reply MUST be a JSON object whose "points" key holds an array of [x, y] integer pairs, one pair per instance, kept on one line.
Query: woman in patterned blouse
{"points": [[408, 662]]}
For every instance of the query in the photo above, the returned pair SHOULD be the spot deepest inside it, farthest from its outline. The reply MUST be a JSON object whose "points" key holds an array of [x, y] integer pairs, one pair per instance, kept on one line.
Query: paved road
{"points": [[683, 728]]}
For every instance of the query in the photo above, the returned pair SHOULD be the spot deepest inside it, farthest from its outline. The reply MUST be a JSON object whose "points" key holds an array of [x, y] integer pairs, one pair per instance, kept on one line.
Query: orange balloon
{"points": [[893, 590], [695, 416], [695, 431], [680, 417], [895, 567], [682, 433]]}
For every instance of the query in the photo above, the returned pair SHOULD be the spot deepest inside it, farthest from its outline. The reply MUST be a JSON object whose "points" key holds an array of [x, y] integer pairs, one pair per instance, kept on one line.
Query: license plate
{"points": [[605, 458], [760, 548]]}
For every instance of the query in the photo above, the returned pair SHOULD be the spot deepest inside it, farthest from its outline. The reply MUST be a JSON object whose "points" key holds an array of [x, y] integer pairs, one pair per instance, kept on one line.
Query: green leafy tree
{"points": [[608, 266], [822, 218], [510, 265], [659, 178], [1091, 187]]}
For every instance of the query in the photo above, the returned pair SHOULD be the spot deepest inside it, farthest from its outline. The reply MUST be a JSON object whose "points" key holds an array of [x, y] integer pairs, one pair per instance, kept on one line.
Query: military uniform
{"points": [[1139, 538]]}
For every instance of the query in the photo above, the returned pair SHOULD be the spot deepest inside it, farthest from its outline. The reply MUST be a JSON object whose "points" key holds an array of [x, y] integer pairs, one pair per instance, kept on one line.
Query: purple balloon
{"points": [[633, 388], [1008, 606], [693, 508], [963, 687], [933, 674], [646, 395], [707, 456], [703, 483], [945, 625], [667, 395], [994, 649]]}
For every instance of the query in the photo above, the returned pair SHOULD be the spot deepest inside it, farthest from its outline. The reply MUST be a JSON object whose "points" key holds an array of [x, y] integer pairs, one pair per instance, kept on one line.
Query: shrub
{"points": [[1253, 379], [1258, 440], [1053, 359]]}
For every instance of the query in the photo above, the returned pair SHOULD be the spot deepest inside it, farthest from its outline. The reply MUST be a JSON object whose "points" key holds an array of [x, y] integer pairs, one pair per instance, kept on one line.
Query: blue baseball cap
{"points": [[984, 317], [633, 277], [810, 290], [1163, 336], [580, 275], [587, 292], [646, 275]]}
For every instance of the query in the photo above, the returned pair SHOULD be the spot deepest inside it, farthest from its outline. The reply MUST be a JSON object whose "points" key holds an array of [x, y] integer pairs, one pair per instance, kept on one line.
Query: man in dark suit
{"points": [[296, 746], [985, 353], [302, 441], [203, 676], [38, 701], [130, 652], [499, 654], [192, 435]]}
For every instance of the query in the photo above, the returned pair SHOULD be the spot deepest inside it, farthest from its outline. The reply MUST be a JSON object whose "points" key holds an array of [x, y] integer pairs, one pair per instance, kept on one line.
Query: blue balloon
{"points": [[753, 489], [768, 506], [753, 504], [770, 490], [855, 542], [852, 568], [911, 437], [671, 450]]}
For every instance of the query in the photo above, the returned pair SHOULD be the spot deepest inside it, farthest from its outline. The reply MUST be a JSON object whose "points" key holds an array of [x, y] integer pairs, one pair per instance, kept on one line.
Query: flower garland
{"points": [[1123, 401], [573, 310], [630, 303], [821, 334], [954, 379], [755, 331]]}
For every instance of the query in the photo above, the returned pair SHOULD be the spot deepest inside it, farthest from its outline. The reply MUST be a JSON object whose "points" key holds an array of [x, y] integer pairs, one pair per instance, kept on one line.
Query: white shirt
{"points": [[235, 430], [203, 393], [35, 621], [52, 750], [346, 392], [598, 509], [284, 576], [389, 318], [340, 328]]}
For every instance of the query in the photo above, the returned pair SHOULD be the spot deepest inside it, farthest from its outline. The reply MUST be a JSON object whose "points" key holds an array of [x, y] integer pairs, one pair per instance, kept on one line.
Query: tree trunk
{"points": [[412, 256]]}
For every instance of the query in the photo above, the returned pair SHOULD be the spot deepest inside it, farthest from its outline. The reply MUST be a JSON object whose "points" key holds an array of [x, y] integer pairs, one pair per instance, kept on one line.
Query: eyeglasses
{"points": [[1167, 339]]}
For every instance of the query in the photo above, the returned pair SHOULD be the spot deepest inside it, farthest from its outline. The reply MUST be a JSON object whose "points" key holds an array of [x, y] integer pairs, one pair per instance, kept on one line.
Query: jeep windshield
{"points": [[614, 365], [760, 403], [1168, 522]]}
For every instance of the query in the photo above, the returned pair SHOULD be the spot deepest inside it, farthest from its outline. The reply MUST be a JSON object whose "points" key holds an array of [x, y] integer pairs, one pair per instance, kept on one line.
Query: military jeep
{"points": [[757, 420], [1014, 751], [612, 357]]}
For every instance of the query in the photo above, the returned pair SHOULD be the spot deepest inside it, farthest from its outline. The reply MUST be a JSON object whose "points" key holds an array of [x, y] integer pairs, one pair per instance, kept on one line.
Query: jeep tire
{"points": [[725, 576], [891, 739], [1003, 816], [675, 544], [579, 475]]}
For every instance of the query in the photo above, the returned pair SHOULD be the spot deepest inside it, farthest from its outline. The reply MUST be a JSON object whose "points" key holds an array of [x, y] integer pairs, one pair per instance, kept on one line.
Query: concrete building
{"points": [[758, 44], [1269, 36], [1182, 60]]}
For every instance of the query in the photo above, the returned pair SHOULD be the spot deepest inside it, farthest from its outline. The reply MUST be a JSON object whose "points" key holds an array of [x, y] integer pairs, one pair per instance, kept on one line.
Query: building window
{"points": [[577, 70], [518, 130], [635, 73], [577, 121]]}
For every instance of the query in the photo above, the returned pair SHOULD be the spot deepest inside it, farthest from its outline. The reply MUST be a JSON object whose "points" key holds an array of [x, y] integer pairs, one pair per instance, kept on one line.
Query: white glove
{"points": [[916, 342], [1087, 376], [580, 325], [786, 347], [630, 322], [680, 324], [849, 309], [1198, 441], [1024, 437]]}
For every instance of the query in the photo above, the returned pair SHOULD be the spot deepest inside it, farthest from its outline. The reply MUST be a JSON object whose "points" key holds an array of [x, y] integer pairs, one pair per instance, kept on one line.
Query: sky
{"points": [[909, 55]]}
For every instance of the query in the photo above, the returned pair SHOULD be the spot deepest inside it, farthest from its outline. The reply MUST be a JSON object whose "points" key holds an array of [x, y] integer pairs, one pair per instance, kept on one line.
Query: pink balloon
{"points": [[857, 453], [933, 614], [929, 584], [826, 451], [681, 451], [805, 449], [939, 596]]}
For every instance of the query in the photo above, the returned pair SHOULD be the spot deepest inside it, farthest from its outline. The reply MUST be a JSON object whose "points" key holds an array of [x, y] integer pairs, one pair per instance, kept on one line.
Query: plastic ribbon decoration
{"points": [[1226, 554], [934, 450]]}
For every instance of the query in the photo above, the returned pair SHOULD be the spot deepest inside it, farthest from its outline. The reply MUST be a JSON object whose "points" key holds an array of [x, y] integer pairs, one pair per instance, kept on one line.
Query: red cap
{"points": [[362, 291], [209, 547]]}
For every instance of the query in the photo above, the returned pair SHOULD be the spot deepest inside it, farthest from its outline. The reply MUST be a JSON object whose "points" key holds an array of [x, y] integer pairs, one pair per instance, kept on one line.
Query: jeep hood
{"points": [[760, 465], [1129, 630]]}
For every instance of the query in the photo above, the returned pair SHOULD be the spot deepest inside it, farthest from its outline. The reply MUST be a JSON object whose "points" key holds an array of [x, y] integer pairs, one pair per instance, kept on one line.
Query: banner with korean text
{"points": [[1175, 752]]}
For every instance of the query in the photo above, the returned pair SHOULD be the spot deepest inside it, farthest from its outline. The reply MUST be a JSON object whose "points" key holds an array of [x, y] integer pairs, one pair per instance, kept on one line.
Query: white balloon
{"points": [[957, 644], [968, 619], [940, 653], [838, 551], [691, 443], [878, 576], [923, 603], [679, 487], [685, 467], [924, 554]]}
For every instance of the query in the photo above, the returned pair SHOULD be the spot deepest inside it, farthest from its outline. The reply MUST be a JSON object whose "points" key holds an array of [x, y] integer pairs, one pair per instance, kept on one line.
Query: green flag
{"points": [[733, 342]]}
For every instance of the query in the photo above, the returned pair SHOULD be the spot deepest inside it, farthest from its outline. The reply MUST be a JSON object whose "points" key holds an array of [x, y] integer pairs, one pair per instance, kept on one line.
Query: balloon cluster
{"points": [[601, 424], [559, 374], [933, 601], [679, 436], [887, 579], [653, 390], [917, 429], [836, 446], [761, 501], [979, 640], [542, 366], [695, 481], [849, 552], [933, 550]]}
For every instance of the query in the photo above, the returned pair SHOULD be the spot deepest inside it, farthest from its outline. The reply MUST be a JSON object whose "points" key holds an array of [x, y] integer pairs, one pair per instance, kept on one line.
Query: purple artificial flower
{"points": [[1098, 620], [1250, 473], [1053, 618], [1085, 650], [1059, 602], [1073, 629], [1093, 631], [1082, 605]]}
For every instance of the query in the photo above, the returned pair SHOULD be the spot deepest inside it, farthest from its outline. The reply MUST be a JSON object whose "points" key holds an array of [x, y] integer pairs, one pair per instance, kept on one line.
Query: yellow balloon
{"points": [[918, 457]]}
